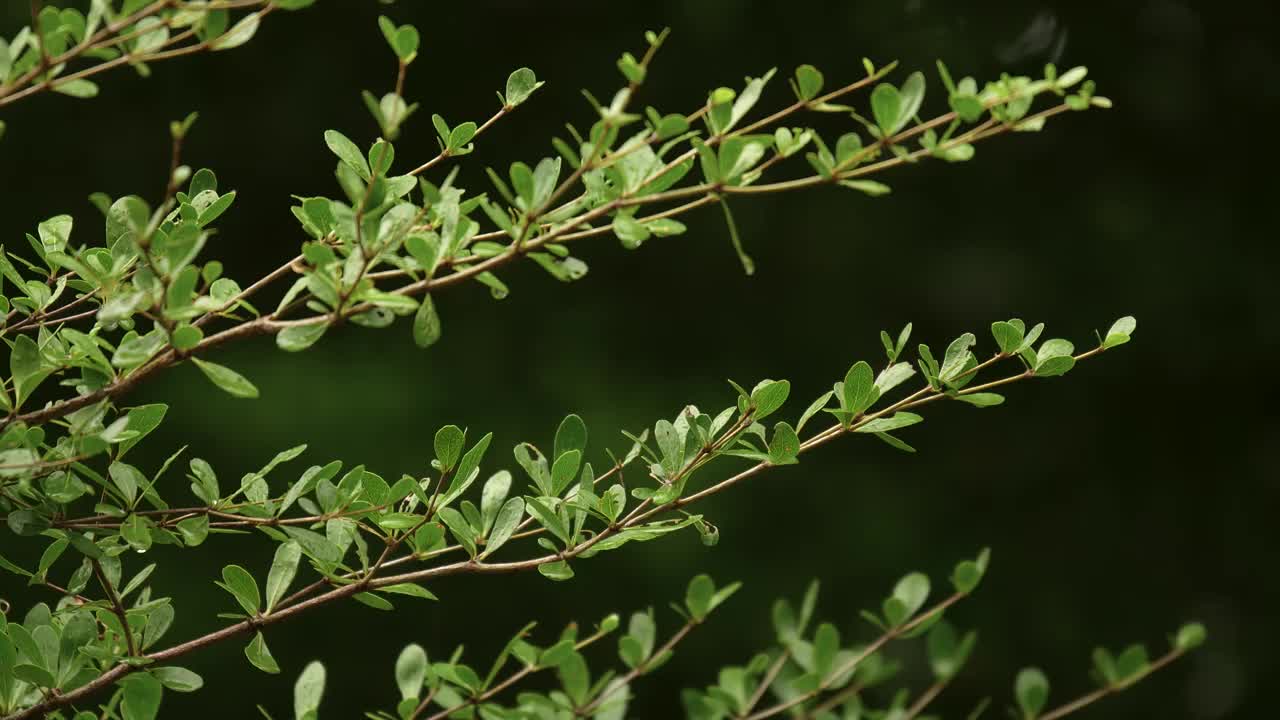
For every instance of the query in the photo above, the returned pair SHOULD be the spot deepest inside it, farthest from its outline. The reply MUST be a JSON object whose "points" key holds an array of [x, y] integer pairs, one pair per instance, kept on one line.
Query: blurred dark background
{"points": [[1119, 502]]}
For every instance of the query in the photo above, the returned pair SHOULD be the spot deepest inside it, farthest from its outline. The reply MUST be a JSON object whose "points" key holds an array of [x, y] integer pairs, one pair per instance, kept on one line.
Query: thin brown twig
{"points": [[110, 35], [471, 566], [117, 606], [1100, 693]]}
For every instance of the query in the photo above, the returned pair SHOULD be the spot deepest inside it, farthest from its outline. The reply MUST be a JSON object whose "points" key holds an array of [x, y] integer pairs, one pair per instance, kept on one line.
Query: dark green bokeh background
{"points": [[1132, 495]]}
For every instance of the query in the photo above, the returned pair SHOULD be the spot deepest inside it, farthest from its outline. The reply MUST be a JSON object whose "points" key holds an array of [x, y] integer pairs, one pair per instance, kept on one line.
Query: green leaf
{"points": [[237, 581], [768, 396], [571, 435], [137, 349], [1132, 663], [126, 478], [630, 231], [55, 232], [348, 153], [216, 208], [308, 690], [893, 108], [494, 493], [1190, 637], [411, 671], [947, 654], [550, 520], [893, 376], [461, 529], [748, 265], [520, 85], [504, 525], [283, 569], [785, 445], [406, 43], [136, 531], [574, 677], [300, 337], [426, 324], [227, 379], [178, 679], [315, 545], [185, 337], [870, 187], [894, 442], [908, 597], [194, 530], [637, 645], [968, 573], [142, 695], [859, 388], [259, 655], [241, 33], [893, 422], [1055, 366], [1120, 332], [558, 570], [377, 602], [425, 249], [27, 523], [984, 399], [697, 597], [956, 357], [410, 589], [808, 82], [1032, 691], [35, 675], [814, 408], [78, 88], [468, 466], [564, 470], [912, 93], [449, 443], [557, 653], [1008, 336], [886, 104], [26, 367], [826, 643], [1105, 667]]}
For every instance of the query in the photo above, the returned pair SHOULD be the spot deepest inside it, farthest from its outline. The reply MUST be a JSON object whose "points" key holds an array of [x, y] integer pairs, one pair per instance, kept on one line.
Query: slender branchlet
{"points": [[101, 318]]}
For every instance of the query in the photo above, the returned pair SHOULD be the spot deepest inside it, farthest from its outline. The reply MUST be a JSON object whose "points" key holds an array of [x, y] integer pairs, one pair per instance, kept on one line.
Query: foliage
{"points": [[85, 323]]}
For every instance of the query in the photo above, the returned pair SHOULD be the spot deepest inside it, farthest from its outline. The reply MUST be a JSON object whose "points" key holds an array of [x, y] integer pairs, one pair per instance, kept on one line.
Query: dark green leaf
{"points": [[449, 443], [571, 435]]}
